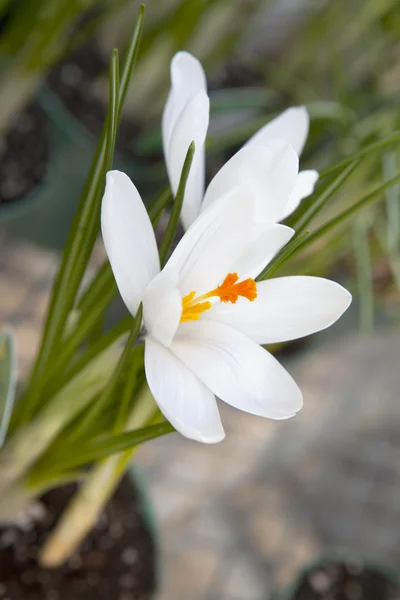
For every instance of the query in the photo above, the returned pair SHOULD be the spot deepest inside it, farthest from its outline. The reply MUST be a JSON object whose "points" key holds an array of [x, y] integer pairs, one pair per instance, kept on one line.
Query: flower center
{"points": [[229, 291]]}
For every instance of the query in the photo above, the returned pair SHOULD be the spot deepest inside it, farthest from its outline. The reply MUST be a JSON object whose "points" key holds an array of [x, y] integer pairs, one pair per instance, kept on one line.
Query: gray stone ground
{"points": [[238, 519]]}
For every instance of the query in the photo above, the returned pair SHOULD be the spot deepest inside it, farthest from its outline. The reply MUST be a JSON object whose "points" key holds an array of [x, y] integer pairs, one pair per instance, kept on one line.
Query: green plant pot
{"points": [[45, 215], [392, 575], [76, 134]]}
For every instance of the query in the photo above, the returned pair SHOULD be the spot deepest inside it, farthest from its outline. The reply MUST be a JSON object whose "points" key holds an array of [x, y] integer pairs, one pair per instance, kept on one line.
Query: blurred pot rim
{"points": [[339, 555]]}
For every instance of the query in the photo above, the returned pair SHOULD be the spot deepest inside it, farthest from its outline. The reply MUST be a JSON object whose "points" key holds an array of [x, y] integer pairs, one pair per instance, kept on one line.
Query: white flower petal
{"points": [[162, 308], [285, 309], [261, 250], [303, 187], [236, 369], [183, 399], [214, 243], [268, 174], [191, 125], [128, 238], [292, 126], [187, 78]]}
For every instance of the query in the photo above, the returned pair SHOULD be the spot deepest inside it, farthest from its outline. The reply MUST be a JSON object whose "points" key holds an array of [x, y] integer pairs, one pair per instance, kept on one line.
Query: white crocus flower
{"points": [[204, 315], [186, 117]]}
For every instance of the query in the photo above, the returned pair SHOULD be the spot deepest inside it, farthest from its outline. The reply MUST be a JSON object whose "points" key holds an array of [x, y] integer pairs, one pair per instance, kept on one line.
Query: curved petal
{"points": [[128, 238], [186, 402], [285, 309], [236, 369], [303, 187], [292, 126], [267, 173], [261, 250], [215, 241], [191, 125], [162, 308], [187, 78]]}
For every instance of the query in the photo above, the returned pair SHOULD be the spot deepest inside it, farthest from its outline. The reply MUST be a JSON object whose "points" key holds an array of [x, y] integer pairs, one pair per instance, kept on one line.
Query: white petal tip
{"points": [[197, 436], [115, 175]]}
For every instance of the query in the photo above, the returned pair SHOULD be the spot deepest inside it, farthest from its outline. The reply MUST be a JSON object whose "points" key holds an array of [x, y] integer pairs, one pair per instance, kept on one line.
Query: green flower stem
{"points": [[87, 505]]}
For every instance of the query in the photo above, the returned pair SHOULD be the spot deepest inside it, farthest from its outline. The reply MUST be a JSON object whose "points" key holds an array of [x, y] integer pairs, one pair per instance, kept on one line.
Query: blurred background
{"points": [[237, 520]]}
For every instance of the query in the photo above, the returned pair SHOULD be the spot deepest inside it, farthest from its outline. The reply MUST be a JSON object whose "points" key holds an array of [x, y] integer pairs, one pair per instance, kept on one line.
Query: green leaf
{"points": [[8, 379], [364, 276], [79, 246], [173, 222], [112, 125], [392, 139], [30, 441], [111, 444], [159, 204], [283, 255], [60, 378], [389, 166], [108, 392], [321, 200], [350, 212]]}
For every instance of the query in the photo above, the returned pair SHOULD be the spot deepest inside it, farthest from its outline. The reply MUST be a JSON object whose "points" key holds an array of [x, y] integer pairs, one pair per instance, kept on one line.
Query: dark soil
{"points": [[116, 561], [24, 153], [345, 581], [75, 81]]}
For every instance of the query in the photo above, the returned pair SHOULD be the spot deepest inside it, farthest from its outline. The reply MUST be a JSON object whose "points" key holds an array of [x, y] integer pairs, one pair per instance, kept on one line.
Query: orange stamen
{"points": [[229, 291]]}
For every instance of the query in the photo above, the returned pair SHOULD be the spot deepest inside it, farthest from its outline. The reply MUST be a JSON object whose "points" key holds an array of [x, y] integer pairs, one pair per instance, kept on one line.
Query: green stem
{"points": [[87, 505]]}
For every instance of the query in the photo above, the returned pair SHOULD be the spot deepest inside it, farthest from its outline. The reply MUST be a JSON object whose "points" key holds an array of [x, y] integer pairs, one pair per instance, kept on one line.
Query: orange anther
{"points": [[229, 291]]}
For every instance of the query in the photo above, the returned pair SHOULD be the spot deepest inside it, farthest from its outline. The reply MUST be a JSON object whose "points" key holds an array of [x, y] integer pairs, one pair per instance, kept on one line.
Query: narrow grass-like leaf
{"points": [[109, 390], [364, 277], [106, 445], [94, 293], [27, 443], [159, 204], [350, 212], [130, 60], [79, 245], [112, 125], [390, 168], [283, 255], [324, 197], [376, 146], [8, 380], [127, 393], [85, 324], [173, 222]]}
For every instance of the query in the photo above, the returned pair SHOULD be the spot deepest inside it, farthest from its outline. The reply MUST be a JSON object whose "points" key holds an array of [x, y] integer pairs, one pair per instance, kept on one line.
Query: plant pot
{"points": [[117, 560], [343, 575], [45, 214]]}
